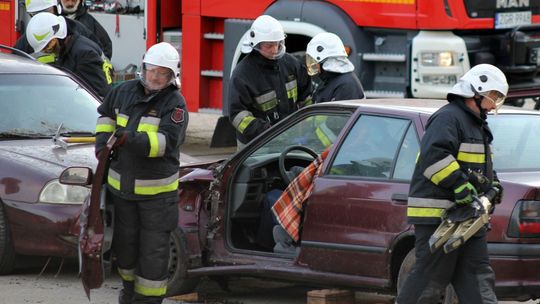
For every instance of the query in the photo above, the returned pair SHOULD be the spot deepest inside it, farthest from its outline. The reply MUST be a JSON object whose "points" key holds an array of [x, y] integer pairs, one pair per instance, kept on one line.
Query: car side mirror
{"points": [[81, 176]]}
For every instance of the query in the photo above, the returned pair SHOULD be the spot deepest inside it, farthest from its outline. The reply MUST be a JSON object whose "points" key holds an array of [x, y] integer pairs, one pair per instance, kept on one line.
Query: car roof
{"points": [[15, 64], [414, 105]]}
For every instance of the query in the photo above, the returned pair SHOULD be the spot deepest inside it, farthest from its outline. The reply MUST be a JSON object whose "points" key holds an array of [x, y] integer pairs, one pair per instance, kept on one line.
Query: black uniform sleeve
{"points": [[104, 39], [240, 110], [347, 90], [438, 149], [23, 45], [90, 69]]}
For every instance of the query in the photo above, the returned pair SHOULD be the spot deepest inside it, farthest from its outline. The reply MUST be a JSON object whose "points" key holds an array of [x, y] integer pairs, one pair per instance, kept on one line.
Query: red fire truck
{"points": [[401, 48]]}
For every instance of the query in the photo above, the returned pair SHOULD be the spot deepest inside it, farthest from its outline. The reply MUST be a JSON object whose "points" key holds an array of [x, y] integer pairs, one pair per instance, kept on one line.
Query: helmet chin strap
{"points": [[478, 101]]}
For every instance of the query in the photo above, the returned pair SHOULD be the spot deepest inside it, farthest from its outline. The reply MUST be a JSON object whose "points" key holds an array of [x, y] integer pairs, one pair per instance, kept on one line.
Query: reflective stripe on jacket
{"points": [[456, 140], [263, 91], [146, 165]]}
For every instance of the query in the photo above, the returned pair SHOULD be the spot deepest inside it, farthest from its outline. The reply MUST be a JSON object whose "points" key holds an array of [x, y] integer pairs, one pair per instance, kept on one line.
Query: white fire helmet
{"points": [[267, 29], [165, 55], [329, 47], [44, 27], [35, 6], [480, 80]]}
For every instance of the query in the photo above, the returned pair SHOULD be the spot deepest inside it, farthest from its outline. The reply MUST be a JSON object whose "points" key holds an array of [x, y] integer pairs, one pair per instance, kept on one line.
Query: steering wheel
{"points": [[288, 176]]}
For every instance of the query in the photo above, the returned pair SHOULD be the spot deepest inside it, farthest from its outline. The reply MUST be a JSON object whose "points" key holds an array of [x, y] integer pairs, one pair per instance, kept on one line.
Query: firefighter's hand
{"points": [[465, 193], [498, 198]]}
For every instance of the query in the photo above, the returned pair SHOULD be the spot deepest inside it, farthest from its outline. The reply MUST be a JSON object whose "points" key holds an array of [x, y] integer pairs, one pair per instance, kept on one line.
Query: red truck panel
{"points": [[8, 36]]}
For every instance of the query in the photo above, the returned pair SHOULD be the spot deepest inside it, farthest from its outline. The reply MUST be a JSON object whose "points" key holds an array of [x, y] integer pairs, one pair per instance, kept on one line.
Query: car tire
{"points": [[178, 282], [7, 252], [450, 296]]}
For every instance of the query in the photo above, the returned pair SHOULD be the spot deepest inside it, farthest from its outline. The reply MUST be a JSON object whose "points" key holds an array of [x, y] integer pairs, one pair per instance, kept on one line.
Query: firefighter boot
{"points": [[127, 293]]}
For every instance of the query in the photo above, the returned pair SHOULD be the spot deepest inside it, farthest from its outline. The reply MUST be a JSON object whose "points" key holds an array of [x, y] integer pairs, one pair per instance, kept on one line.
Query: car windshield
{"points": [[315, 132], [36, 105], [516, 143]]}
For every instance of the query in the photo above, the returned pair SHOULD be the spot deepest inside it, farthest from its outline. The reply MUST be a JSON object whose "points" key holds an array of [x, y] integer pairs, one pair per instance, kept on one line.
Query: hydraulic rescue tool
{"points": [[460, 223]]}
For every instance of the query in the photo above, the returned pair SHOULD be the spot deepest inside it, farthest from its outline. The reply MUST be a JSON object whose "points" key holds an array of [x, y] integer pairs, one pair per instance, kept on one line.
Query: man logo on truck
{"points": [[512, 3]]}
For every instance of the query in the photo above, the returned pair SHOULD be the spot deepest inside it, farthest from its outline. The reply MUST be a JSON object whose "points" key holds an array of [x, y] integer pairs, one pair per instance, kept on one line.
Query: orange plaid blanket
{"points": [[288, 208]]}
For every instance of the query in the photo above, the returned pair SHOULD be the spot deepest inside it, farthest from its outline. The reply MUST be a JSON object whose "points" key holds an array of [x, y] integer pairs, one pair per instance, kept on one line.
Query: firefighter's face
{"points": [[70, 6], [492, 101], [156, 77], [53, 47], [270, 49]]}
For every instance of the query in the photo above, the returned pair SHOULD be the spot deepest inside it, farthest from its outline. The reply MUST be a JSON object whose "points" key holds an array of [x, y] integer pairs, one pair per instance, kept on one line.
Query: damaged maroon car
{"points": [[354, 231], [44, 111]]}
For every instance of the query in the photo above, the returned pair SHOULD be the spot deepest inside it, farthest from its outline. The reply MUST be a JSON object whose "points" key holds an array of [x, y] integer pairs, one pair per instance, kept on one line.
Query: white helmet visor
{"points": [[497, 100], [272, 50], [313, 67]]}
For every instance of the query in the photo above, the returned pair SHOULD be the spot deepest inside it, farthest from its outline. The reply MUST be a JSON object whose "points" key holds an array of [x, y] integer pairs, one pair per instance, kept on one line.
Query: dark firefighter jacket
{"points": [[75, 26], [263, 91], [93, 25], [146, 165], [337, 86], [83, 57], [456, 140]]}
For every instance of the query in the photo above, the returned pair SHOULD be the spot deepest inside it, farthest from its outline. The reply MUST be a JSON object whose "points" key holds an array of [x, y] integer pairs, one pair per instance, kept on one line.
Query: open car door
{"points": [[92, 235]]}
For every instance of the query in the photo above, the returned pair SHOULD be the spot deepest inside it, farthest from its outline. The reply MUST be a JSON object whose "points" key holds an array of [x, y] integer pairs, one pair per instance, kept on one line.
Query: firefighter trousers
{"points": [[141, 245], [466, 268]]}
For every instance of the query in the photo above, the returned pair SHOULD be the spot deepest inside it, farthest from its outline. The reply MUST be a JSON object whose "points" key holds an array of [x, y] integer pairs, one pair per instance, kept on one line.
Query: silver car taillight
{"points": [[525, 220]]}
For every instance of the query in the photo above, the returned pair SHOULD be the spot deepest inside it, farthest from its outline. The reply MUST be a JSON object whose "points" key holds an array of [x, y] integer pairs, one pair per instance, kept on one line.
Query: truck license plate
{"points": [[512, 19]]}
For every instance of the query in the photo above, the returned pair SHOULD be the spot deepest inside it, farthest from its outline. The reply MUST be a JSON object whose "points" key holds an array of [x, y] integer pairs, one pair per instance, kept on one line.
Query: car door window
{"points": [[406, 160], [370, 147], [315, 132]]}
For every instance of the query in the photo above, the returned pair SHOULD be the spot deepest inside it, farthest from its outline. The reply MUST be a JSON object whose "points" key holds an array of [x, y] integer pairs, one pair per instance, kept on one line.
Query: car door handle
{"points": [[400, 198]]}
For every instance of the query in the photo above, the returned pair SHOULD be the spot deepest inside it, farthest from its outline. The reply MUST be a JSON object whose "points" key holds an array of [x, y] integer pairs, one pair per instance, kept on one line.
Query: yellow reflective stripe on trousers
{"points": [[151, 288], [156, 186], [113, 179], [122, 120], [157, 143], [127, 274], [424, 212], [105, 124]]}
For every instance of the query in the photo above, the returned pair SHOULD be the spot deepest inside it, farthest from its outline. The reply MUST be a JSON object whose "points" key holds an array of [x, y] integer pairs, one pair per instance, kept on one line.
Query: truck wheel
{"points": [[450, 296], [7, 252], [179, 283]]}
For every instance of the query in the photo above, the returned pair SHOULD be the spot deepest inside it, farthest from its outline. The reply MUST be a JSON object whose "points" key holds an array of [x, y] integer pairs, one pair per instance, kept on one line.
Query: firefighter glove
{"points": [[465, 193], [497, 185]]}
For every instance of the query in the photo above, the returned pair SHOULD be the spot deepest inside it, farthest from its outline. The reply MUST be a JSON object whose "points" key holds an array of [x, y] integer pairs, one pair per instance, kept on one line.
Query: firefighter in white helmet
{"points": [[33, 7], [331, 70], [268, 84], [77, 10], [51, 34], [149, 117], [457, 141]]}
